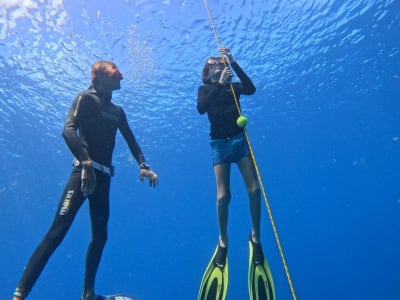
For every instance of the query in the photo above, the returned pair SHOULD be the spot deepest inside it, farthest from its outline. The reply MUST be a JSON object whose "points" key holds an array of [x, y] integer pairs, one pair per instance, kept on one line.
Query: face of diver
{"points": [[215, 71], [114, 84], [111, 82]]}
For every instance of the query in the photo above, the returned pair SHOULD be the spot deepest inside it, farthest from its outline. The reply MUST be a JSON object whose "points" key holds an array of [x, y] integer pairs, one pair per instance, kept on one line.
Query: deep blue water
{"points": [[324, 125]]}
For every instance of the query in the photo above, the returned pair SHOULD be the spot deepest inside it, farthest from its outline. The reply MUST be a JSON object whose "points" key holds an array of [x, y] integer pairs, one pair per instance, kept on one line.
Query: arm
{"points": [[137, 151], [130, 139], [70, 131], [70, 134], [247, 87]]}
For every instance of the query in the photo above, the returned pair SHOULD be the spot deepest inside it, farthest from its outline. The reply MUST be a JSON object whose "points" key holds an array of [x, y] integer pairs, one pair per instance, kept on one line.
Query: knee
{"points": [[223, 199], [254, 193], [100, 237], [55, 235], [101, 240], [98, 242]]}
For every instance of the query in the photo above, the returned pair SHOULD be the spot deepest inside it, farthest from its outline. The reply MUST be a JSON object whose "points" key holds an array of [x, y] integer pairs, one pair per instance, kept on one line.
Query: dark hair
{"points": [[205, 74]]}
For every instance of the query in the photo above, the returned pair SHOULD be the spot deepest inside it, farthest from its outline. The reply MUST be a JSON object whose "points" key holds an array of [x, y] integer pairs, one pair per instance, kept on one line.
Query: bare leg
{"points": [[222, 177], [248, 172]]}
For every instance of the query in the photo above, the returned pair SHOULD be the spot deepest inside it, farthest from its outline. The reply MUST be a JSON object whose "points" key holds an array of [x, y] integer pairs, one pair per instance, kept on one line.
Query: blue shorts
{"points": [[229, 150]]}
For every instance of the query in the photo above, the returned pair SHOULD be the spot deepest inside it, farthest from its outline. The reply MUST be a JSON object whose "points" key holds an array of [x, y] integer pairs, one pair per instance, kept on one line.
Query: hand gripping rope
{"points": [[256, 167]]}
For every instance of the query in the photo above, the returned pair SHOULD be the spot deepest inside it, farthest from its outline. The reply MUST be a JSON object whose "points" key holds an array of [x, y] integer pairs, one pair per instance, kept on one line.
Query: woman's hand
{"points": [[226, 76], [227, 53]]}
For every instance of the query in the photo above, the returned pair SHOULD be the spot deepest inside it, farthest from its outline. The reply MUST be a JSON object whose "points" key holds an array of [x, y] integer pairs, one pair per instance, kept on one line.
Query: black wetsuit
{"points": [[96, 119], [218, 102]]}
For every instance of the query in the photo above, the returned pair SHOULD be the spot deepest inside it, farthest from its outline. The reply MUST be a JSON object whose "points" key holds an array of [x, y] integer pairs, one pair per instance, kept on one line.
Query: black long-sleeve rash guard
{"points": [[91, 126], [219, 104]]}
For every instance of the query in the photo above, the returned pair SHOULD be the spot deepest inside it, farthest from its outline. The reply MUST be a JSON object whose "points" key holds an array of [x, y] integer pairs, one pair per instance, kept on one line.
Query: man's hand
{"points": [[150, 175], [88, 177]]}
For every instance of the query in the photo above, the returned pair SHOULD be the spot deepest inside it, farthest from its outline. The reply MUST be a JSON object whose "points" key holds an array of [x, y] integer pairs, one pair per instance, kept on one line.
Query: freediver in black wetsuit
{"points": [[89, 131]]}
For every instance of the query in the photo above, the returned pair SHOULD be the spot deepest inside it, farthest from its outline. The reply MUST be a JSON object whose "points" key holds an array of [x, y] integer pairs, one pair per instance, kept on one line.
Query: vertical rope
{"points": [[274, 229]]}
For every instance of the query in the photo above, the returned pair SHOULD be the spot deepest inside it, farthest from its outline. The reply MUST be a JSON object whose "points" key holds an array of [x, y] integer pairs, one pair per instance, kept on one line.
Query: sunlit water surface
{"points": [[324, 125]]}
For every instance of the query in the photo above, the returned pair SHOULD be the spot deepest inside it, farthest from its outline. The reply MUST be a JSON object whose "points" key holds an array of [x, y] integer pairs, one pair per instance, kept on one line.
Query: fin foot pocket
{"points": [[215, 279], [261, 284]]}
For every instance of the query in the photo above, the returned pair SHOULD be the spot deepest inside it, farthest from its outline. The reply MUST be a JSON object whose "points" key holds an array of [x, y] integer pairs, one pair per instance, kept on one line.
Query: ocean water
{"points": [[324, 124]]}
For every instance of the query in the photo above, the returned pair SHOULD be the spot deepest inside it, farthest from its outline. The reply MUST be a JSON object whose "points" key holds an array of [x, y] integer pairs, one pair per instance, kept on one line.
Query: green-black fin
{"points": [[261, 284], [215, 281]]}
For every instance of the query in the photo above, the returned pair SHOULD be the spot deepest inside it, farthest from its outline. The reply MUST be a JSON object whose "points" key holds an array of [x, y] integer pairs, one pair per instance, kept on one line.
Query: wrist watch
{"points": [[144, 165]]}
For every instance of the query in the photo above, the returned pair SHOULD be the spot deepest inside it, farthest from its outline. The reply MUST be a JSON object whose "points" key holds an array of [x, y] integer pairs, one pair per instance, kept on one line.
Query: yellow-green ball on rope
{"points": [[241, 121]]}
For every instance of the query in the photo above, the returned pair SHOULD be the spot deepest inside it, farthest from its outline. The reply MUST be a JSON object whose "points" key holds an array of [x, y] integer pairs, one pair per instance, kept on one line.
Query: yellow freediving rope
{"points": [[257, 169]]}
